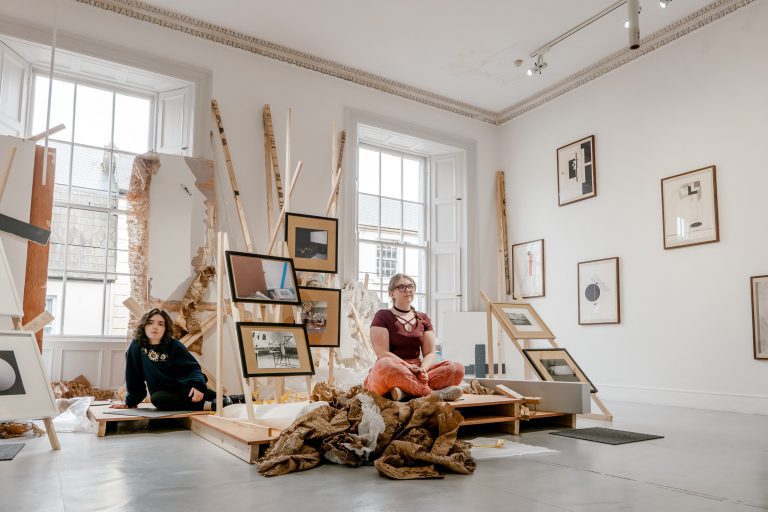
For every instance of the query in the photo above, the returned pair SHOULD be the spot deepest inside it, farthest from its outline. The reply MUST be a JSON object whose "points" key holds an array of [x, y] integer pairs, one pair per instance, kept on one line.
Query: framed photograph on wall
{"points": [[599, 298], [312, 242], [528, 268], [321, 315], [260, 278], [25, 392], [557, 365], [759, 288], [576, 168], [689, 208], [268, 350], [522, 321]]}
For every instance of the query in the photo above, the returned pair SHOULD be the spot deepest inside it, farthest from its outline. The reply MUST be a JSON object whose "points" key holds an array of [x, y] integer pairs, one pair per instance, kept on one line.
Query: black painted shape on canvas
{"points": [[16, 386], [586, 186], [572, 169], [24, 230], [592, 292]]}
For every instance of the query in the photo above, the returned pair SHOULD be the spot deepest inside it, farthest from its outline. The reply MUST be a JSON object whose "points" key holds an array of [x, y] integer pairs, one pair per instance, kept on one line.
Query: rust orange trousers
{"points": [[389, 373]]}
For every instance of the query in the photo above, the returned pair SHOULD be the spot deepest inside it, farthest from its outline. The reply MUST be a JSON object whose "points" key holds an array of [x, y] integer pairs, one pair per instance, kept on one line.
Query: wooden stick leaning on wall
{"points": [[281, 215], [269, 135], [7, 170]]}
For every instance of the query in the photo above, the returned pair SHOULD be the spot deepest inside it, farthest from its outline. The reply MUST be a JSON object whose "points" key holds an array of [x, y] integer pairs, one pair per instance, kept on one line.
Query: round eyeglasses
{"points": [[405, 287]]}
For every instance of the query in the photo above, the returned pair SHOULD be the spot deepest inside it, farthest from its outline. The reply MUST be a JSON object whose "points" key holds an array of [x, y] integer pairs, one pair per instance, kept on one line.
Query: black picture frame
{"points": [[297, 245], [245, 294], [273, 353], [573, 365]]}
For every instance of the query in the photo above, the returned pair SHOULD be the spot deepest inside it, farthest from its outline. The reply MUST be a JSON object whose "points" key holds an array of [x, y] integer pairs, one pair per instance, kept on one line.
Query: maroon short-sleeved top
{"points": [[405, 345]]}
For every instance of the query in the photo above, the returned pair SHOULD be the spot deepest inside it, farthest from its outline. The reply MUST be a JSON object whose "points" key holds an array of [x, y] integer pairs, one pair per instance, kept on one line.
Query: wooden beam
{"points": [[281, 215], [269, 132], [47, 133], [38, 322], [7, 170]]}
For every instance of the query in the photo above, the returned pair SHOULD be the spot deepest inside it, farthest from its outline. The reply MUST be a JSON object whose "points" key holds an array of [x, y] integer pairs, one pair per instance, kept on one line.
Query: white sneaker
{"points": [[397, 394], [450, 393]]}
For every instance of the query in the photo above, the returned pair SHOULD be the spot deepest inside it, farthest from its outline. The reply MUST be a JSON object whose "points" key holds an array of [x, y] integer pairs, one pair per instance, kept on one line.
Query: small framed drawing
{"points": [[689, 208], [312, 242], [259, 278], [321, 315], [521, 321], [576, 168], [599, 301], [268, 350], [25, 392], [528, 268], [759, 289], [556, 364]]}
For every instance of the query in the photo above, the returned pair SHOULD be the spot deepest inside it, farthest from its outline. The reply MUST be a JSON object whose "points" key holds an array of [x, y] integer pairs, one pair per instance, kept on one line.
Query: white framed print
{"points": [[689, 208], [25, 391], [528, 268], [576, 171], [599, 297]]}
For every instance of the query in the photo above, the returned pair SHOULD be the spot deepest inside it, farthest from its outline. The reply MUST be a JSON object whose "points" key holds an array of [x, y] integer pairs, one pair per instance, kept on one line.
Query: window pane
{"points": [[118, 289], [391, 218], [57, 241], [132, 123], [390, 176], [123, 166], [87, 241], [82, 311], [413, 180], [413, 220], [415, 263], [368, 210], [62, 162], [93, 117], [420, 304], [389, 261], [367, 259], [53, 303], [90, 177], [368, 171], [61, 106]]}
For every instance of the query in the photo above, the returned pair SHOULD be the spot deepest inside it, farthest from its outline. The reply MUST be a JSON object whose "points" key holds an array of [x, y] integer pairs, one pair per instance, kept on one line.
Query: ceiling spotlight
{"points": [[538, 66], [664, 3]]}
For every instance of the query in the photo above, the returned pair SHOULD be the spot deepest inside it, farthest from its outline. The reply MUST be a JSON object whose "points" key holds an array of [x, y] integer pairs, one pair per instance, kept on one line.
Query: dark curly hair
{"points": [[141, 337]]}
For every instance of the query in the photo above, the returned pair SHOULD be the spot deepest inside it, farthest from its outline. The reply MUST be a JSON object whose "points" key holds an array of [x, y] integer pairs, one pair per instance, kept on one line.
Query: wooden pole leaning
{"points": [[271, 153], [7, 170]]}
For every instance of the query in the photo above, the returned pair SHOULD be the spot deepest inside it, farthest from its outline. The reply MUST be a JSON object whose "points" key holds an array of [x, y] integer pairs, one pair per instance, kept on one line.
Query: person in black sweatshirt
{"points": [[172, 375]]}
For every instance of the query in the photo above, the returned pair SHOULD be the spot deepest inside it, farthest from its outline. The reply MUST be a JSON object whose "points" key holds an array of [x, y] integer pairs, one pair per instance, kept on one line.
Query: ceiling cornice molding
{"points": [[199, 28], [684, 26], [196, 27]]}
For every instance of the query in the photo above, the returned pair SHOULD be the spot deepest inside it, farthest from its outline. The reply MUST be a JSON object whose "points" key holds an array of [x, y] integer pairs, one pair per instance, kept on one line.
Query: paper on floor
{"points": [[510, 448]]}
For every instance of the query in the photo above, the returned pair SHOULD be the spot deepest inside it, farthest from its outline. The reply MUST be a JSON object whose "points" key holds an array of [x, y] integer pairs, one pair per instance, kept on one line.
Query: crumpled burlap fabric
{"points": [[418, 441]]}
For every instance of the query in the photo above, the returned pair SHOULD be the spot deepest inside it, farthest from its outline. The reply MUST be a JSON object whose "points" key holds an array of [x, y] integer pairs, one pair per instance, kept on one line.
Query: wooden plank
{"points": [[485, 419], [501, 212], [240, 440], [53, 438], [281, 215], [47, 133], [268, 184], [40, 214], [504, 390], [269, 132], [38, 322], [469, 400], [7, 170]]}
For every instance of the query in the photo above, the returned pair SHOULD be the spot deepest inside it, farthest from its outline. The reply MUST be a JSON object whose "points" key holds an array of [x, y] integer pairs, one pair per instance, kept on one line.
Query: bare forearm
{"points": [[428, 361]]}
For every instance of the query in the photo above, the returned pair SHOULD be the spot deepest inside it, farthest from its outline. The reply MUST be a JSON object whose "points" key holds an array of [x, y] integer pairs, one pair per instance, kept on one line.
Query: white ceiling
{"points": [[459, 49]]}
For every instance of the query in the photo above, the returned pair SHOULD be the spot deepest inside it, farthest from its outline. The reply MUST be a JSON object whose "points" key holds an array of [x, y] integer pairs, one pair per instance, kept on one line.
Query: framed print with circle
{"points": [[576, 171], [689, 208], [599, 298], [528, 268], [25, 391]]}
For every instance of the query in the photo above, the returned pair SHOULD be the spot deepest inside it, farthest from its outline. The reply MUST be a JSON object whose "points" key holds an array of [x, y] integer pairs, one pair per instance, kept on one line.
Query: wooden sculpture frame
{"points": [[266, 349], [248, 281], [329, 334], [310, 224]]}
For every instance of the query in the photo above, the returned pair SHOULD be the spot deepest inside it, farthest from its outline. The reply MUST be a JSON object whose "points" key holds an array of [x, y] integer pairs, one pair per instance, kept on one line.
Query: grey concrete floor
{"points": [[708, 461]]}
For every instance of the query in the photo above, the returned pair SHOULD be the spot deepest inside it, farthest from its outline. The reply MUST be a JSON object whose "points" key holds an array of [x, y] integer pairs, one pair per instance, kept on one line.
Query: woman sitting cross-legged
{"points": [[172, 375], [404, 341]]}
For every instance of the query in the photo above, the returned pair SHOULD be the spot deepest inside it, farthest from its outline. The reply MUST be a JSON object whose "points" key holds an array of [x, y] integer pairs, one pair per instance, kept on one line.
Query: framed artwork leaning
{"points": [[274, 349], [313, 242], [689, 208], [321, 315], [262, 279], [759, 290], [25, 391], [521, 321], [528, 268], [598, 285], [556, 365], [576, 171]]}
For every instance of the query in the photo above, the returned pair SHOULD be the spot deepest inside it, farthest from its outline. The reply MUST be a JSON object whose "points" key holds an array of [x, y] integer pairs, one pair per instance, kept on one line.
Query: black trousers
{"points": [[172, 401]]}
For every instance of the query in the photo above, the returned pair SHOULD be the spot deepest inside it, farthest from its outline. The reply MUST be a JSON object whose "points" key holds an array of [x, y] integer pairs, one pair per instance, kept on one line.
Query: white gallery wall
{"points": [[685, 336]]}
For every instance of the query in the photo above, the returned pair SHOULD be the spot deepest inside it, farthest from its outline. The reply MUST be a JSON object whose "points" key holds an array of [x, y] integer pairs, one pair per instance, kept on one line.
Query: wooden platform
{"points": [[248, 442], [503, 413], [103, 418]]}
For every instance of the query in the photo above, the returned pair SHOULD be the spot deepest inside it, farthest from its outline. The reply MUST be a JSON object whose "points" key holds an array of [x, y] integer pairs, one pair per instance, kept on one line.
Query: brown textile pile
{"points": [[418, 441], [80, 387], [13, 429], [475, 388]]}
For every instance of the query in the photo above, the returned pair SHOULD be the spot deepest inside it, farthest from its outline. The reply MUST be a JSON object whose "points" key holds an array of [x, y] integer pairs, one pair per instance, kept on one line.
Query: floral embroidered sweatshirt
{"points": [[168, 367]]}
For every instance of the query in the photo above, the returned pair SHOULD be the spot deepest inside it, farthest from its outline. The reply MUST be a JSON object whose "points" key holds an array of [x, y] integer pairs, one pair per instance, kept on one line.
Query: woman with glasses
{"points": [[404, 341]]}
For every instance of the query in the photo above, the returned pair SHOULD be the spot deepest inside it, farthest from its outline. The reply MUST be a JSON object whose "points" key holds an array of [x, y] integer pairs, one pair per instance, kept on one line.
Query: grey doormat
{"points": [[9, 451], [605, 435], [147, 413]]}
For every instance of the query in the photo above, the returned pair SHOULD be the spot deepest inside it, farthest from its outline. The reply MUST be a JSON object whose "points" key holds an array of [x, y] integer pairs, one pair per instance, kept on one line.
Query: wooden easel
{"points": [[493, 311]]}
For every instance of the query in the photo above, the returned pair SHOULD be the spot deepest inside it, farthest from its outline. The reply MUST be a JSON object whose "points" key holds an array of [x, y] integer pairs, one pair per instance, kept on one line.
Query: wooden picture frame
{"points": [[321, 316], [262, 279], [528, 264], [689, 208], [576, 171], [10, 303], [313, 242], [274, 349], [758, 286], [557, 365], [25, 391], [599, 293], [522, 321]]}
